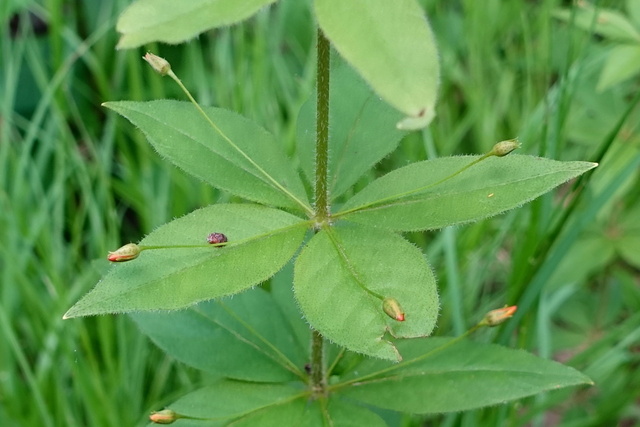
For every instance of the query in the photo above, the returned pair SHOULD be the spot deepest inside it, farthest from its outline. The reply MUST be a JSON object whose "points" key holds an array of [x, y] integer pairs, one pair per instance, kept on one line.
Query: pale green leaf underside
{"points": [[245, 337], [391, 45], [329, 275], [173, 21], [465, 376], [179, 277], [362, 130], [488, 188], [179, 133]]}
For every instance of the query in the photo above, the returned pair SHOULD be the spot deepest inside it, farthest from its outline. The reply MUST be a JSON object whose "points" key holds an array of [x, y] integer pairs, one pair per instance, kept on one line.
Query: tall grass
{"points": [[76, 182]]}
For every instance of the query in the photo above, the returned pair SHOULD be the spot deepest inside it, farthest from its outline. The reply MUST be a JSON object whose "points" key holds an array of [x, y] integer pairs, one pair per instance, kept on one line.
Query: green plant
{"points": [[623, 59], [357, 282]]}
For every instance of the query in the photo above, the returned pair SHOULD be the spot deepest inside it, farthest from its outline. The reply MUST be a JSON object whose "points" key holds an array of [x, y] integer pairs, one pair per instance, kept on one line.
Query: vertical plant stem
{"points": [[321, 192], [318, 384], [322, 129]]}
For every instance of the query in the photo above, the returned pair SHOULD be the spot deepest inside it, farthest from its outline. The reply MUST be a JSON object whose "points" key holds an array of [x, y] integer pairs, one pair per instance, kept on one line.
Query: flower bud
{"points": [[125, 253], [166, 416], [159, 64], [496, 317], [503, 148], [391, 306]]}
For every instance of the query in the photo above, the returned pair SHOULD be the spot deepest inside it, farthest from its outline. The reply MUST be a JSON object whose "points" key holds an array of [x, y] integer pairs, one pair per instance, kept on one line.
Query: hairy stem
{"points": [[318, 382], [322, 129]]}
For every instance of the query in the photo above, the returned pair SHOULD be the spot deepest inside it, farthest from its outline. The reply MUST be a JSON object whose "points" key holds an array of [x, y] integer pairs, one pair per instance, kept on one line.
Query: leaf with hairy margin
{"points": [[392, 47], [332, 271], [261, 241], [420, 197], [169, 21], [244, 160], [246, 337], [441, 375]]}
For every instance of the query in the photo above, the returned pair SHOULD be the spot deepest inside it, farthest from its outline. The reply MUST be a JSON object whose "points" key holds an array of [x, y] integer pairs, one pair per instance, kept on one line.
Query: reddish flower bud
{"points": [[496, 317], [125, 253], [166, 416], [503, 148], [159, 64], [215, 238], [392, 308]]}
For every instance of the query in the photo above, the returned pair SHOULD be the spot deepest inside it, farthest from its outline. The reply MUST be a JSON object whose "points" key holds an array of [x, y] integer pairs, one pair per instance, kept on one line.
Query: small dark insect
{"points": [[214, 238], [307, 368]]}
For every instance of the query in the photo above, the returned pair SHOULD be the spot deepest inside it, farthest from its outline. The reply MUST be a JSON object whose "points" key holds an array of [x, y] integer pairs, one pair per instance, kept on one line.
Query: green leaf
{"points": [[332, 272], [420, 197], [594, 247], [246, 403], [173, 22], [440, 375], [229, 402], [174, 278], [246, 337], [299, 412], [246, 161], [628, 239], [347, 414], [391, 45], [607, 23], [622, 63], [362, 130], [282, 293], [633, 6]]}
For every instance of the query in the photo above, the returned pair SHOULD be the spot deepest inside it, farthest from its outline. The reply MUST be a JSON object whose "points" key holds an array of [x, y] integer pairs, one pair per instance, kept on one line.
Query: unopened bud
{"points": [[166, 416], [503, 148], [391, 306], [496, 317], [159, 64], [125, 253]]}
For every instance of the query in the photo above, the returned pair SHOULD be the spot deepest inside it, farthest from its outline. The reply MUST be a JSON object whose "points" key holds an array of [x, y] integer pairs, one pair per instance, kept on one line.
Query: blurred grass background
{"points": [[75, 182]]}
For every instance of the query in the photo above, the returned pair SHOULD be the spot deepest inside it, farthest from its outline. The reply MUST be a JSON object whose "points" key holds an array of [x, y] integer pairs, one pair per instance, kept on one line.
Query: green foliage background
{"points": [[76, 181]]}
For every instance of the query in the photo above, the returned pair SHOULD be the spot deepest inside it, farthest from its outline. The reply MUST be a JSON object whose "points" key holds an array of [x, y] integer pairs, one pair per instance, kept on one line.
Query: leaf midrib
{"points": [[430, 195]]}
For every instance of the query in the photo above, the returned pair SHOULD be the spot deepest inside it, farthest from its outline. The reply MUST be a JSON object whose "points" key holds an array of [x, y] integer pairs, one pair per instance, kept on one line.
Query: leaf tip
{"points": [[398, 355], [419, 121]]}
